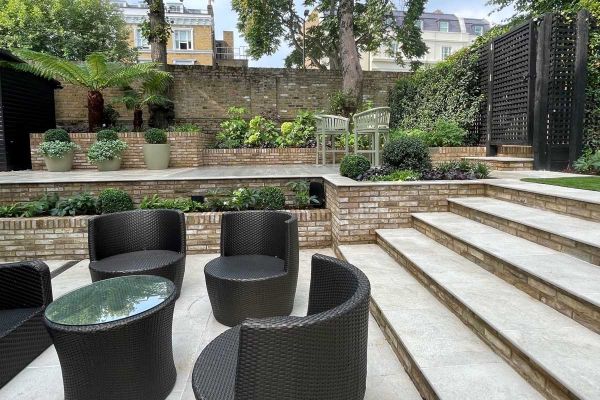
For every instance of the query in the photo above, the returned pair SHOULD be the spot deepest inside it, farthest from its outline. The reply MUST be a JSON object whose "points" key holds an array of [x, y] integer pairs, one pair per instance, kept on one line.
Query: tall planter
{"points": [[63, 164], [109, 165], [157, 156]]}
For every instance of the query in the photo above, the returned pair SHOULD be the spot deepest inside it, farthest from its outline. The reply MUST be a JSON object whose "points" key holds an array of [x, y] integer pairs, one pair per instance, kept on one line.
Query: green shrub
{"points": [[185, 205], [233, 130], [270, 198], [114, 200], [261, 133], [105, 150], [286, 128], [80, 204], [588, 163], [243, 199], [155, 136], [110, 116], [400, 175], [354, 165], [407, 153], [457, 170], [187, 127], [300, 132], [56, 148], [302, 197], [56, 135], [107, 134], [446, 133]]}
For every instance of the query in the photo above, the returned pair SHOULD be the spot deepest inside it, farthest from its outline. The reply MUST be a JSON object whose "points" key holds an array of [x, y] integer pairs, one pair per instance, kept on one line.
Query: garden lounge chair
{"points": [[375, 125], [257, 272], [322, 356], [25, 291], [140, 242], [331, 127]]}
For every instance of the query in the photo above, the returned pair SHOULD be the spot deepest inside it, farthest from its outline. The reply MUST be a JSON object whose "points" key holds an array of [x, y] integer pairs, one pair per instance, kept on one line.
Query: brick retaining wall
{"points": [[258, 156], [443, 154], [65, 238]]}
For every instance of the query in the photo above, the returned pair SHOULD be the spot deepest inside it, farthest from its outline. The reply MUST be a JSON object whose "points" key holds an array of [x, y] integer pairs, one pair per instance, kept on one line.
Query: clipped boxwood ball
{"points": [[107, 134], [407, 152], [114, 200], [155, 136], [271, 198], [56, 135], [354, 165]]}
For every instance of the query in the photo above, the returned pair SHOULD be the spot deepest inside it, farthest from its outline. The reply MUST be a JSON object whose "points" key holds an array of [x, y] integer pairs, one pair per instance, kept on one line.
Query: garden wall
{"points": [[202, 94], [65, 238], [258, 156], [186, 149], [443, 154]]}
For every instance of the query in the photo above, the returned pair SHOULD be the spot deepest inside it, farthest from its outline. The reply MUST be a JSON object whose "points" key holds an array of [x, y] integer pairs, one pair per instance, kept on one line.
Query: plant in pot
{"points": [[58, 150], [157, 151], [107, 151]]}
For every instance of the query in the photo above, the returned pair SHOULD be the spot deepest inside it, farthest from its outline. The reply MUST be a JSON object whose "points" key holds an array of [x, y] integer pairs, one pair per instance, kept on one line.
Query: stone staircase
{"points": [[490, 300]]}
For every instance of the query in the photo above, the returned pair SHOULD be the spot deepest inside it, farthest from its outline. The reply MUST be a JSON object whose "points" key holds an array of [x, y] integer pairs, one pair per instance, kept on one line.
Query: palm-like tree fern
{"points": [[150, 92], [95, 74]]}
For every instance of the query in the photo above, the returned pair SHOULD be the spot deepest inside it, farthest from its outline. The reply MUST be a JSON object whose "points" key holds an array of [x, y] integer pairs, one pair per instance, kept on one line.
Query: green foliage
{"points": [[105, 150], [30, 209], [114, 200], [270, 198], [233, 130], [107, 134], [60, 135], [155, 136], [399, 175], [149, 92], [407, 153], [588, 163], [443, 134], [342, 103], [457, 170], [80, 204], [110, 117], [186, 127], [57, 149], [183, 204], [302, 197], [70, 29], [300, 132], [244, 199], [354, 165], [261, 133]]}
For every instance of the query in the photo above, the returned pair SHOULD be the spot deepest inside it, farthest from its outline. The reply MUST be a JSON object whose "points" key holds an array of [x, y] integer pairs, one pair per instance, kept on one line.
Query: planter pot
{"points": [[109, 165], [156, 156], [60, 164]]}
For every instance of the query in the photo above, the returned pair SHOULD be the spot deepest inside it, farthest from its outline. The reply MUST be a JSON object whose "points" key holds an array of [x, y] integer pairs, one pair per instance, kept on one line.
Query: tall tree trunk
{"points": [[351, 70], [95, 109], [138, 119], [158, 42]]}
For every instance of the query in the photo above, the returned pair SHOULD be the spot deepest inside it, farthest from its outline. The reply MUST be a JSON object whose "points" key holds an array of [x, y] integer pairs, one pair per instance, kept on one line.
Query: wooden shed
{"points": [[26, 106]]}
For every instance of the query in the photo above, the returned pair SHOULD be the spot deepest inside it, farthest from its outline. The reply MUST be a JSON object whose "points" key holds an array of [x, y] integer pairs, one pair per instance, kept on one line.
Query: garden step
{"points": [[568, 284], [555, 354], [575, 236], [504, 163], [444, 358]]}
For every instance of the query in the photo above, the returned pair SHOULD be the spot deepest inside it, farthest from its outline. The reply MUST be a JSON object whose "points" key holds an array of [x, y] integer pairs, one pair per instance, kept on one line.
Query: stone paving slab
{"points": [[586, 196], [193, 328], [455, 362], [569, 352]]}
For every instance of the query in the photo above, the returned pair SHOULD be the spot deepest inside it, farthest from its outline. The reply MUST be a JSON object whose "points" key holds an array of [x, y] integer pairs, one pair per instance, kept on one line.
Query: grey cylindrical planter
{"points": [[109, 165], [156, 156], [60, 164]]}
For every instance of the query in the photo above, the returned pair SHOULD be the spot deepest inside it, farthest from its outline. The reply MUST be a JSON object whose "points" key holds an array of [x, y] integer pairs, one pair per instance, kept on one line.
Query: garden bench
{"points": [[374, 124], [331, 127]]}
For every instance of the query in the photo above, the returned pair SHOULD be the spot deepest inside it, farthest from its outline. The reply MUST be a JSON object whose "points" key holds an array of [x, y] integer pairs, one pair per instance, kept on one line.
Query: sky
{"points": [[226, 19]]}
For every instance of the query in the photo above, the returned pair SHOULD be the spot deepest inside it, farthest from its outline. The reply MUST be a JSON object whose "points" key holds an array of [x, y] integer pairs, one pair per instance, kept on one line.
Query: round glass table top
{"points": [[110, 300]]}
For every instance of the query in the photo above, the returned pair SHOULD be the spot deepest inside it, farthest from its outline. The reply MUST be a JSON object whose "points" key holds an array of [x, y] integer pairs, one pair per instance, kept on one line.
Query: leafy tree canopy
{"points": [[70, 29], [267, 25]]}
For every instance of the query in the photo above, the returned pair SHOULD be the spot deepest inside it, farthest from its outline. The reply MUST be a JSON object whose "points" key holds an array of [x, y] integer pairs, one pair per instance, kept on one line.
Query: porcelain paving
{"points": [[568, 351], [436, 339], [193, 328]]}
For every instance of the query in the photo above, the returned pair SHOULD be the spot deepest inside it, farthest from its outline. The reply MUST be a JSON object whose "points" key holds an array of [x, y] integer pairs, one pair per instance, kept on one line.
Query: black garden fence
{"points": [[534, 78]]}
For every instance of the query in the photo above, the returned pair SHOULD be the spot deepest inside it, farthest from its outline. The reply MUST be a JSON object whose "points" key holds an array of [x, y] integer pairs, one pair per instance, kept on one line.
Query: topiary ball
{"points": [[354, 165], [407, 152], [271, 198], [107, 134], [155, 136], [56, 135], [114, 200]]}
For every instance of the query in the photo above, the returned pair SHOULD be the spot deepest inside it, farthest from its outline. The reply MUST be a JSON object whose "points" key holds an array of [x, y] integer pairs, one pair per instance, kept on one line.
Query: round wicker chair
{"points": [[140, 242], [257, 272], [322, 356]]}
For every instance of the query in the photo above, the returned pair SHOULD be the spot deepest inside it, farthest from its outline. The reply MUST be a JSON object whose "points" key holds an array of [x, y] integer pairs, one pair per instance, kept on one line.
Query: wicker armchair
{"points": [[322, 356], [257, 272], [25, 291], [141, 242]]}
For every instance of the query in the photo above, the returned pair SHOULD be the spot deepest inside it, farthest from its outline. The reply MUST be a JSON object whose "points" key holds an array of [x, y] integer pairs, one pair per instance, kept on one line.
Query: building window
{"points": [[184, 62], [174, 8], [419, 24], [140, 41], [478, 30], [182, 39], [446, 52], [444, 26]]}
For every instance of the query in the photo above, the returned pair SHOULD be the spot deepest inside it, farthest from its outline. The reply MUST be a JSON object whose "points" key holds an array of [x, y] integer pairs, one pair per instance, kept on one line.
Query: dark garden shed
{"points": [[26, 105]]}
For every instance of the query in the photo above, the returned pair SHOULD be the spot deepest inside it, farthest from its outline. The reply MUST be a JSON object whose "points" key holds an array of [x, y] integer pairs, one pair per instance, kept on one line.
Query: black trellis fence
{"points": [[534, 79]]}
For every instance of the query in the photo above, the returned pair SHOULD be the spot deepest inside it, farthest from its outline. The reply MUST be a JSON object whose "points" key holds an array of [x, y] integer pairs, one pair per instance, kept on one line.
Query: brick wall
{"points": [[258, 156], [443, 154], [203, 94], [185, 149], [65, 238]]}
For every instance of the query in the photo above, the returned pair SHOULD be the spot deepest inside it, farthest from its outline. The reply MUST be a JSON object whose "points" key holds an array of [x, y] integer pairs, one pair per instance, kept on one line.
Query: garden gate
{"points": [[534, 80]]}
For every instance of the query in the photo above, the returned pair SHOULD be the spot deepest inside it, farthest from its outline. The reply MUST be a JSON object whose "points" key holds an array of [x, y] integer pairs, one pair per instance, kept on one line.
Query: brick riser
{"points": [[528, 369], [574, 248], [564, 302], [561, 205], [408, 363]]}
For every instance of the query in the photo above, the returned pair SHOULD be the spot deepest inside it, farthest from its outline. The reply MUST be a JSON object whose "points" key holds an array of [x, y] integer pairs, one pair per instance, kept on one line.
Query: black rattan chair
{"points": [[141, 242], [322, 356], [257, 272], [25, 291]]}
